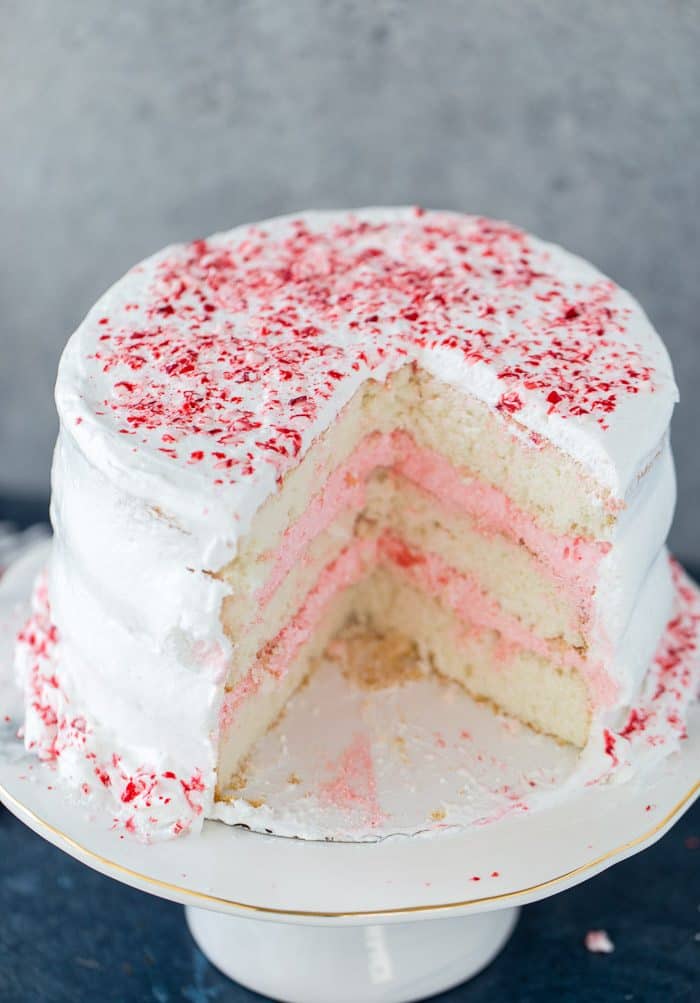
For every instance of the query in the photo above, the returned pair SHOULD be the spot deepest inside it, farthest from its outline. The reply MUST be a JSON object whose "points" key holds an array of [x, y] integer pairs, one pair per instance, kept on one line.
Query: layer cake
{"points": [[387, 422]]}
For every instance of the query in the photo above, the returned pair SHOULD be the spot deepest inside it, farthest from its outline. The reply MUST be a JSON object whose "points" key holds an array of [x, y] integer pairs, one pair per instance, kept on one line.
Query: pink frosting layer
{"points": [[276, 656], [432, 575], [461, 594], [244, 688], [347, 569], [571, 561], [345, 490]]}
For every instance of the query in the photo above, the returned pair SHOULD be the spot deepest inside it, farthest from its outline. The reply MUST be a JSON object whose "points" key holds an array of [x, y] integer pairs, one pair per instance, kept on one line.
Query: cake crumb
{"points": [[400, 743], [438, 814], [237, 782], [293, 779], [598, 942], [375, 661]]}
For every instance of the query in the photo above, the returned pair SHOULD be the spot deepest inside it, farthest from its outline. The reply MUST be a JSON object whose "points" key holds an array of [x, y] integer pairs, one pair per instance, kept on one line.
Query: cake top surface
{"points": [[219, 361]]}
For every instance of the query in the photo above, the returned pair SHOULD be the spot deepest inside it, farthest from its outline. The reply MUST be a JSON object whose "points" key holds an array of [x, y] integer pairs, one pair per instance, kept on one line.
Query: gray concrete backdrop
{"points": [[125, 126]]}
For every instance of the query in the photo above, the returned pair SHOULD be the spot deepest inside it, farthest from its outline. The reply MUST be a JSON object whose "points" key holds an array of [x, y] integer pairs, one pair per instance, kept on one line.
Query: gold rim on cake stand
{"points": [[212, 901]]}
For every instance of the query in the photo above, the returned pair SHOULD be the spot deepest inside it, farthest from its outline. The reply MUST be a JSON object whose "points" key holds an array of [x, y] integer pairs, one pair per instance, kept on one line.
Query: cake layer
{"points": [[456, 594], [546, 580], [410, 423], [92, 520], [257, 700], [496, 565], [551, 697], [546, 696], [426, 570], [524, 586], [571, 559]]}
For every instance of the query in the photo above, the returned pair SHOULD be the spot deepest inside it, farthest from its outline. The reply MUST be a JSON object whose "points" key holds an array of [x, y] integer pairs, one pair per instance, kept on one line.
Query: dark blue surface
{"points": [[23, 511], [70, 935]]}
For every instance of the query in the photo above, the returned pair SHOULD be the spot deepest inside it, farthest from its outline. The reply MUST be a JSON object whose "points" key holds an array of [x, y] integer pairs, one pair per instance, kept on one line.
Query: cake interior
{"points": [[424, 520]]}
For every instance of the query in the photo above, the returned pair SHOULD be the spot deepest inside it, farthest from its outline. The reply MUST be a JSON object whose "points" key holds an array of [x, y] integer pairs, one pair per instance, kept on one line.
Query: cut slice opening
{"points": [[424, 521]]}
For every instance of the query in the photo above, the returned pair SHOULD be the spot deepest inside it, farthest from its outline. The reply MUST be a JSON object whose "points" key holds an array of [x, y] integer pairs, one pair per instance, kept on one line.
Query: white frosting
{"points": [[613, 455], [640, 533], [143, 655]]}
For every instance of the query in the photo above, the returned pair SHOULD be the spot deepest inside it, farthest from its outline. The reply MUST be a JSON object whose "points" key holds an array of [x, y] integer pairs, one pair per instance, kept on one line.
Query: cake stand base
{"points": [[388, 963]]}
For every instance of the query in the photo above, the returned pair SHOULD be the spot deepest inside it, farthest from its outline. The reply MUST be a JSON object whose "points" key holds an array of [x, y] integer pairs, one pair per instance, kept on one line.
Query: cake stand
{"points": [[336, 922]]}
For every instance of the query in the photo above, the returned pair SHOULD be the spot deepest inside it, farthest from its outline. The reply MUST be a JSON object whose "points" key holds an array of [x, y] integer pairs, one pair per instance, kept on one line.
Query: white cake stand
{"points": [[398, 920], [401, 919]]}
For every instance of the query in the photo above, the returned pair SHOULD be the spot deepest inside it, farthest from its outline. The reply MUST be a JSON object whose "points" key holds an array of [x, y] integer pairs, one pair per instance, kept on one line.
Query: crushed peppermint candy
{"points": [[658, 720], [144, 801], [225, 350], [598, 942]]}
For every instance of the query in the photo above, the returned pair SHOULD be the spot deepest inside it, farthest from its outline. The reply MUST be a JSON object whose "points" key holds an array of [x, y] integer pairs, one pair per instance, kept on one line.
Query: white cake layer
{"points": [[636, 535], [548, 697], [263, 707], [541, 694], [540, 480], [504, 569]]}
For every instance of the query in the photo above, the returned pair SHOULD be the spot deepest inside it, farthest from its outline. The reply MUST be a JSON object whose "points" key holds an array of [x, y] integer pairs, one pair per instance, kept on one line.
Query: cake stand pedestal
{"points": [[377, 963], [397, 920]]}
